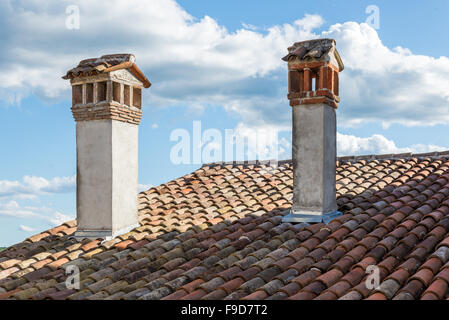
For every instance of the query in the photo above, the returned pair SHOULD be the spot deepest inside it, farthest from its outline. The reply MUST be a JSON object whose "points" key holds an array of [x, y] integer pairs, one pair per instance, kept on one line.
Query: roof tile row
{"points": [[217, 234]]}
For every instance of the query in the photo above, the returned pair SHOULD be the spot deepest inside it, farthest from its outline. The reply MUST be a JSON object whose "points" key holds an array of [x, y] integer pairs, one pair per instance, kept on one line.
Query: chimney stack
{"points": [[106, 105], [313, 68]]}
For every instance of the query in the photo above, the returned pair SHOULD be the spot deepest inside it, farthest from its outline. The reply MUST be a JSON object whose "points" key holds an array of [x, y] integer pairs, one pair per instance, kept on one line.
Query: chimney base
{"points": [[102, 234], [310, 217]]}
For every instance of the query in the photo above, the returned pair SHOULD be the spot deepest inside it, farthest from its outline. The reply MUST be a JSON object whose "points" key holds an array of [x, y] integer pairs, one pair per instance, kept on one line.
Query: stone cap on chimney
{"points": [[108, 63], [314, 50]]}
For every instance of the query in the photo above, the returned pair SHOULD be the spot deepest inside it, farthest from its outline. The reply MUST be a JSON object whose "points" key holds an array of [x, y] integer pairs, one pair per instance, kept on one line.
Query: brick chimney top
{"points": [[314, 50], [313, 72], [105, 64]]}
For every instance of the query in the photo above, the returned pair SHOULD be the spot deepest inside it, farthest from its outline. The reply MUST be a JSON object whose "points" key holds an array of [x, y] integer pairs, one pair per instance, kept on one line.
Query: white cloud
{"points": [[388, 85], [347, 145], [31, 186], [195, 62], [12, 193], [144, 187], [376, 144], [13, 209], [249, 26], [254, 143], [154, 126], [26, 228], [189, 60], [59, 218]]}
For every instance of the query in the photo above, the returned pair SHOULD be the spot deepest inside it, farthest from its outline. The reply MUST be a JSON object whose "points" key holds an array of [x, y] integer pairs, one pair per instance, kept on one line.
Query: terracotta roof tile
{"points": [[195, 295], [438, 288], [377, 296], [303, 296], [215, 295], [217, 234]]}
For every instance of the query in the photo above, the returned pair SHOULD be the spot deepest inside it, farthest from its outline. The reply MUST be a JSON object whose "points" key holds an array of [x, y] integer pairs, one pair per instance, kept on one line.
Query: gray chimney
{"points": [[313, 68], [106, 105]]}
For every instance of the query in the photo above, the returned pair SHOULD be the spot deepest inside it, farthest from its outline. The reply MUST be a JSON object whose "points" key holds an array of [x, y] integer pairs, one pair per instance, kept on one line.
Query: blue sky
{"points": [[213, 61]]}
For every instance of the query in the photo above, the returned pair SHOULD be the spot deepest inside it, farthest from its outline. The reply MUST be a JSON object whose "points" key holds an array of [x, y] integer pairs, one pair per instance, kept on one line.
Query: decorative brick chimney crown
{"points": [[107, 88], [313, 68], [106, 105]]}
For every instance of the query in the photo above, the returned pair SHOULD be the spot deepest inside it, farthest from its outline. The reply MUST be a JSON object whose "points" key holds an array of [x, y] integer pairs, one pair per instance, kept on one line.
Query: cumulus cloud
{"points": [[196, 61], [191, 61], [12, 193], [13, 209], [376, 144], [26, 228], [257, 143], [31, 186], [389, 85], [59, 218], [53, 217], [144, 187], [347, 145], [195, 56]]}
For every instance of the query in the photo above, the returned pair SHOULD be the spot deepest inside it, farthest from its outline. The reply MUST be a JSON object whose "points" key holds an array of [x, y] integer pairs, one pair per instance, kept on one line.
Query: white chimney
{"points": [[313, 68], [106, 105]]}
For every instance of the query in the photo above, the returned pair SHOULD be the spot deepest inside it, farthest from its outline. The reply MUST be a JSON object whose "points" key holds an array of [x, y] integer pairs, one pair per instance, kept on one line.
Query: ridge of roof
{"points": [[393, 156], [389, 156]]}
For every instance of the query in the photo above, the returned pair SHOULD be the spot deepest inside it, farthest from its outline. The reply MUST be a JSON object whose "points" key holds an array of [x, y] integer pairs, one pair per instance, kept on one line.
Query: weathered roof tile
{"points": [[224, 239]]}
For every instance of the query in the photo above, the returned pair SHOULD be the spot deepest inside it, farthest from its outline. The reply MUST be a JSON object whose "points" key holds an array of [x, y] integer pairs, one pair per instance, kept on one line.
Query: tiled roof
{"points": [[217, 234], [107, 63]]}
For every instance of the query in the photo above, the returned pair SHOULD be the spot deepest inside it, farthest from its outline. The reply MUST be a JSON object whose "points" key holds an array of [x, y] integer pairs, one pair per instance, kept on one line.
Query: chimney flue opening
{"points": [[101, 91], [77, 94]]}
